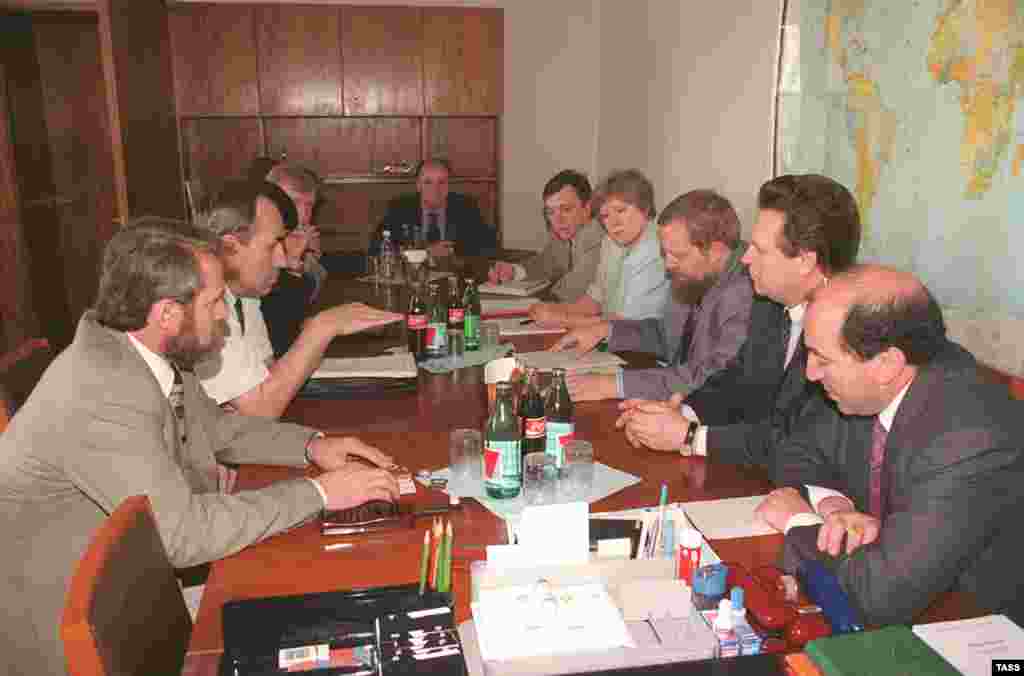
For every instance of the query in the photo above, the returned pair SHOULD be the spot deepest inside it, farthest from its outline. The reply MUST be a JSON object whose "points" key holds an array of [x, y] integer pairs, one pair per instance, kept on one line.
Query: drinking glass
{"points": [[578, 470], [540, 479], [490, 334], [465, 456]]}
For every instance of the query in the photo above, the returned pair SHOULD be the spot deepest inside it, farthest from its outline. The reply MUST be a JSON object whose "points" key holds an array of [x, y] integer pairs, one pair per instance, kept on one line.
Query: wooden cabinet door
{"points": [[382, 58], [215, 69], [347, 146], [470, 144], [136, 53], [219, 148], [300, 60], [462, 61]]}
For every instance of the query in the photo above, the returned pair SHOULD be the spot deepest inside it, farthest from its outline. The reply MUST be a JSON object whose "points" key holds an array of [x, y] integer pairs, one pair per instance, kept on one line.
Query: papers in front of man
{"points": [[522, 287], [542, 619], [728, 518], [571, 361], [971, 645], [517, 326], [401, 365], [505, 307]]}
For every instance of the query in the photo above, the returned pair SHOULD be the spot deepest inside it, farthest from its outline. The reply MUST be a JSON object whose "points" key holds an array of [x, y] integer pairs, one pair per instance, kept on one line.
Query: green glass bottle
{"points": [[559, 413], [503, 474], [471, 324]]}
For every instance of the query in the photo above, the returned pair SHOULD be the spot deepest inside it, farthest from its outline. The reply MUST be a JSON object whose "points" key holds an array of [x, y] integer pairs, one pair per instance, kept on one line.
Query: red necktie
{"points": [[877, 461]]}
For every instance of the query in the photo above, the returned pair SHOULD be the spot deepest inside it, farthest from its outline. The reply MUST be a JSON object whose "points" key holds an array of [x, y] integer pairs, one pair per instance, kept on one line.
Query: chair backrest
{"points": [[124, 614], [20, 370]]}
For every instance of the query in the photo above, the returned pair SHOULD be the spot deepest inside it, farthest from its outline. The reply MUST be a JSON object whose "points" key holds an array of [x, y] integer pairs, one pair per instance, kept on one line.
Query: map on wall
{"points": [[917, 106]]}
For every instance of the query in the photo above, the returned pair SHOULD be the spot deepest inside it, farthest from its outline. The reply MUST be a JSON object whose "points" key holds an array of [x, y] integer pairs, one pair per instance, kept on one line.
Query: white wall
{"points": [[686, 95]]}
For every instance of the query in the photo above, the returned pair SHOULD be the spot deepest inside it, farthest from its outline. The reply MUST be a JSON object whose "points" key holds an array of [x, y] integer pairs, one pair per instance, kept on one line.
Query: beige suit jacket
{"points": [[553, 262], [96, 430]]}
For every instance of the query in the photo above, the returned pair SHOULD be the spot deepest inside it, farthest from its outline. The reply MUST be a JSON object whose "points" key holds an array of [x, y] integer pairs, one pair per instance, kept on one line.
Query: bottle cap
{"points": [[723, 621]]}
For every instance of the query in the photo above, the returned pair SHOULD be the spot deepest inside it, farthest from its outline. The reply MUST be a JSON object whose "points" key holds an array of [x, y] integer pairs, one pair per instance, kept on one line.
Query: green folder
{"points": [[892, 651]]}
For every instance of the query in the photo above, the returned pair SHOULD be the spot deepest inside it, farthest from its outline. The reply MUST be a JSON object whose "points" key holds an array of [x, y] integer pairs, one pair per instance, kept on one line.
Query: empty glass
{"points": [[490, 334], [540, 479], [465, 451], [578, 471]]}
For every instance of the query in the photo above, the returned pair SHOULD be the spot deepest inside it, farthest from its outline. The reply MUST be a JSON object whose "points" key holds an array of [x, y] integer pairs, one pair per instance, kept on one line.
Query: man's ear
{"points": [[808, 261], [888, 365], [230, 243], [166, 314], [587, 211]]}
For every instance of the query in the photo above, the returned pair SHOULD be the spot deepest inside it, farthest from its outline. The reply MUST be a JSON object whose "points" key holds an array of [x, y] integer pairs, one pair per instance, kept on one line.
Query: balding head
{"points": [[867, 333]]}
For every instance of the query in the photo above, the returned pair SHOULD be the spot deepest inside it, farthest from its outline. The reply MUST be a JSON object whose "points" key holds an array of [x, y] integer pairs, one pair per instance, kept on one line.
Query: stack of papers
{"points": [[515, 326], [971, 645], [728, 518], [538, 619], [401, 365], [505, 307], [522, 287], [571, 361]]}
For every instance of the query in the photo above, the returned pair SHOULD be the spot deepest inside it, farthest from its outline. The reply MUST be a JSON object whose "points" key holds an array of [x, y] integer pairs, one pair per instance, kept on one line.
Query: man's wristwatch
{"points": [[691, 432]]}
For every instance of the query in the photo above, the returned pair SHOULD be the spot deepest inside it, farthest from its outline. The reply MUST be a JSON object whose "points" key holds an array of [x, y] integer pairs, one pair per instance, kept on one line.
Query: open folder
{"points": [[401, 365], [522, 287]]}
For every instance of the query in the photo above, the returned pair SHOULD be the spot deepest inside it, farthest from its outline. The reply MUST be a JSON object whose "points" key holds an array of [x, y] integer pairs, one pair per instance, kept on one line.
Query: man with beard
{"points": [[249, 220], [808, 230], [706, 321], [119, 414]]}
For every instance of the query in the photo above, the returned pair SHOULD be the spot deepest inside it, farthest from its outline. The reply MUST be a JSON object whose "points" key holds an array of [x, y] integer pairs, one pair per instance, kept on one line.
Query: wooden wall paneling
{"points": [[462, 61], [220, 148], [136, 50], [17, 318], [382, 59], [351, 211], [299, 60], [469, 143], [326, 145], [215, 62], [396, 145], [77, 119]]}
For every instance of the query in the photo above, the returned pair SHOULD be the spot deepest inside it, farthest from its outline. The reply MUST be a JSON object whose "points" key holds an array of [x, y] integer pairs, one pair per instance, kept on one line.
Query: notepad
{"points": [[499, 307], [522, 287], [571, 361], [514, 326], [400, 365], [728, 518]]}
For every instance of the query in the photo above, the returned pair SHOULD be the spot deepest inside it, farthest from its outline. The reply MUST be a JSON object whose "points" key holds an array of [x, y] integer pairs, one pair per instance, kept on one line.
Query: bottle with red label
{"points": [[416, 323], [456, 319], [437, 325], [559, 414], [531, 412], [502, 467]]}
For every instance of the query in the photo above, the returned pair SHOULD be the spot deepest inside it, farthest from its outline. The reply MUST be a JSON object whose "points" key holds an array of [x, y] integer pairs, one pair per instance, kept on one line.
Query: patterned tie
{"points": [[877, 461], [240, 314], [571, 247], [686, 339], [433, 230], [787, 331], [176, 399]]}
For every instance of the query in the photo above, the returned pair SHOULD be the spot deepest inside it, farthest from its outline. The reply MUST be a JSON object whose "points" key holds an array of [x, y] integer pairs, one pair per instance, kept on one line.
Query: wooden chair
{"points": [[124, 613], [20, 370]]}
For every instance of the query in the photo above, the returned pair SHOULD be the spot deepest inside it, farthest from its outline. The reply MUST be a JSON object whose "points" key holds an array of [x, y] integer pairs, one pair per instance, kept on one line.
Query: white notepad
{"points": [[513, 326], [522, 287], [401, 365], [571, 361], [728, 518], [505, 306]]}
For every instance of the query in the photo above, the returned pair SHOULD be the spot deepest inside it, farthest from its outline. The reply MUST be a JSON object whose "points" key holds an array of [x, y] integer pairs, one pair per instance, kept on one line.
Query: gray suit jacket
{"points": [[97, 429], [553, 263], [723, 320], [953, 486]]}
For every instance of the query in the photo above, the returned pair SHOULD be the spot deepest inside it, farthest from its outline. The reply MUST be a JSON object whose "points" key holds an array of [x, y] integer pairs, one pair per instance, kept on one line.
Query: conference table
{"points": [[413, 427]]}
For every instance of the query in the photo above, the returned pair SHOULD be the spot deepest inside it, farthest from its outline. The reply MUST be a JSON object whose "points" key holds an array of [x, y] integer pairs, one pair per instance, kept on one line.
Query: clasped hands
{"points": [[347, 481], [841, 520]]}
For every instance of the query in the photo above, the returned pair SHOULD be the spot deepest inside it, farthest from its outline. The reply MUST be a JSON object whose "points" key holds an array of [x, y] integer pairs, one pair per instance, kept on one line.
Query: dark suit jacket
{"points": [[953, 487], [284, 310], [464, 224], [750, 406]]}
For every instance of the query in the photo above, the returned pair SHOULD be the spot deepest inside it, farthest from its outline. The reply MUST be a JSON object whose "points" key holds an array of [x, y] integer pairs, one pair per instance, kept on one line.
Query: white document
{"points": [[538, 619], [728, 518], [522, 287], [514, 326], [497, 306], [555, 534], [654, 599], [401, 365], [571, 361], [971, 645]]}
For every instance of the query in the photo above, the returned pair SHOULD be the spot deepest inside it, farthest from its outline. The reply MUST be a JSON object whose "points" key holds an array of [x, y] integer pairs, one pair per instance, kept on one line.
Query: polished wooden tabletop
{"points": [[413, 427]]}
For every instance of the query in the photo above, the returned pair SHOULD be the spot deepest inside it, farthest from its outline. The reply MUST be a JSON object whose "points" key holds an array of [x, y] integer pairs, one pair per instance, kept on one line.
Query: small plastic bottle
{"points": [[388, 256]]}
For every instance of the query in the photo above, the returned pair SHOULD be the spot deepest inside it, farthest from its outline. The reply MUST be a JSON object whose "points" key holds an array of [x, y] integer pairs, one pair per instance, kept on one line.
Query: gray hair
{"points": [[150, 260], [628, 185], [294, 177]]}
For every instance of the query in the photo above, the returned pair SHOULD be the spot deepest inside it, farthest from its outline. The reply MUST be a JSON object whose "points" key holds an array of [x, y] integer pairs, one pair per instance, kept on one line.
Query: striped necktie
{"points": [[240, 314], [176, 399], [879, 437]]}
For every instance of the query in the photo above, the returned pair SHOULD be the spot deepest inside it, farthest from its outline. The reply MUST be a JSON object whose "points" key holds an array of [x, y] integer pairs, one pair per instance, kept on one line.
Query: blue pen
{"points": [[662, 501]]}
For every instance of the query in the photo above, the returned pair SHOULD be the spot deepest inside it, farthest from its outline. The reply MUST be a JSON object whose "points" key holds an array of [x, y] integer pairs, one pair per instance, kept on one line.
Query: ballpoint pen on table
{"points": [[526, 322]]}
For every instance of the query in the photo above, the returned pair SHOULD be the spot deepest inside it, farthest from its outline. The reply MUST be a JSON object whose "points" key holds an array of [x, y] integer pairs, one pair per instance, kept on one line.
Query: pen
{"points": [[525, 322]]}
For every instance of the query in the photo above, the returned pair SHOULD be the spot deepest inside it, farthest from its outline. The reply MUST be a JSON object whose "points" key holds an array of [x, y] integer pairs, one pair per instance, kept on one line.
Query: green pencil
{"points": [[449, 537]]}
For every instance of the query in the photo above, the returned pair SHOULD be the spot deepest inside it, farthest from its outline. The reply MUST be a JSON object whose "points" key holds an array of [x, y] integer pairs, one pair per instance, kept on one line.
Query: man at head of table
{"points": [[119, 413], [246, 219], [905, 477], [447, 222]]}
